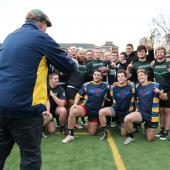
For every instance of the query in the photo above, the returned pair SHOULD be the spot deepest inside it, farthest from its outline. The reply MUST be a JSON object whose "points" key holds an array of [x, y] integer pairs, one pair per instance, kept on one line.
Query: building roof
{"points": [[109, 44], [83, 45]]}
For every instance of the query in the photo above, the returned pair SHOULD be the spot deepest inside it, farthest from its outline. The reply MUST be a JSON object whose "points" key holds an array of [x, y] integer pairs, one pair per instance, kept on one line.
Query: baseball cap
{"points": [[38, 15]]}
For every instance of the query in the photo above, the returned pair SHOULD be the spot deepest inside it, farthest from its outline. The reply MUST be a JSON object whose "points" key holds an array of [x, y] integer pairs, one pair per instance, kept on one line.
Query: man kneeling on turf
{"points": [[92, 95], [147, 109], [56, 104], [123, 95]]}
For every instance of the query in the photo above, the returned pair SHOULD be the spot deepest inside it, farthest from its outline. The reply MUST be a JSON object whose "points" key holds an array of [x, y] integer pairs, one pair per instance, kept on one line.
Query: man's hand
{"points": [[156, 90], [73, 107], [152, 64], [51, 93], [115, 84], [104, 70], [76, 62], [130, 83], [113, 64], [168, 69], [149, 46], [46, 113], [129, 67]]}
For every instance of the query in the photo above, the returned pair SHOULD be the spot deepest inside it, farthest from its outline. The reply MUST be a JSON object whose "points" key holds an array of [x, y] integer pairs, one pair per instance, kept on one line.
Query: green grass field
{"points": [[88, 153]]}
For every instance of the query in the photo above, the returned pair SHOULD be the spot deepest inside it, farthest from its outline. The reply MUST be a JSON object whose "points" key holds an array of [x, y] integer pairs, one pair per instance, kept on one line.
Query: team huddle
{"points": [[131, 88]]}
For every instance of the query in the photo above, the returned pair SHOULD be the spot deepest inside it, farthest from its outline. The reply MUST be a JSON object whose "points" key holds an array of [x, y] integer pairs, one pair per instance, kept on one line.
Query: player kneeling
{"points": [[92, 96], [123, 97], [147, 110], [56, 104]]}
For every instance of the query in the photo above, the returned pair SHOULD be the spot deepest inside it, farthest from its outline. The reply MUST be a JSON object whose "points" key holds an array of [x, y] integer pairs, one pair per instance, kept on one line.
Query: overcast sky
{"points": [[86, 21]]}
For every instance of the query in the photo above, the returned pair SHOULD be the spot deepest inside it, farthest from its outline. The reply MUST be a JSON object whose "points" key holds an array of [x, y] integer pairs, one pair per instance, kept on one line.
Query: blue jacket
{"points": [[23, 70]]}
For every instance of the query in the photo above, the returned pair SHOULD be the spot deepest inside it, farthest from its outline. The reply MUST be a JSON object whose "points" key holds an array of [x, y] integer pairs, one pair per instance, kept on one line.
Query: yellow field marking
{"points": [[76, 133], [81, 133], [116, 155]]}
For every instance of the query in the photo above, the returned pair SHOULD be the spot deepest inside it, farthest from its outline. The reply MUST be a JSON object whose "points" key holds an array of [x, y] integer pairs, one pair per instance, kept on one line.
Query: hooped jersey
{"points": [[123, 99], [148, 101], [94, 95]]}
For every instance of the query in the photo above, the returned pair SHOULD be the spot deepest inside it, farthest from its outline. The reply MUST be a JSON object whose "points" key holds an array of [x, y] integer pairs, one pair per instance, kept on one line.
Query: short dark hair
{"points": [[90, 51], [115, 52], [141, 47], [122, 71], [53, 74], [100, 71], [129, 44], [123, 53]]}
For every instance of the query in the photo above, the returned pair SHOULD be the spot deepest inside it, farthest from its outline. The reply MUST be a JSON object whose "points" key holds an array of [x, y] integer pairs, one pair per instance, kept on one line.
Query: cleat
{"points": [[68, 139], [159, 134], [164, 135], [43, 135], [128, 140], [103, 135]]}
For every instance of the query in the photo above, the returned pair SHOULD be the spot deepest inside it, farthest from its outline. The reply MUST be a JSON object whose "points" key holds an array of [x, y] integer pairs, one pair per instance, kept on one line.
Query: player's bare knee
{"points": [[150, 138], [127, 119], [51, 128], [63, 110], [92, 132], [101, 113], [150, 134]]}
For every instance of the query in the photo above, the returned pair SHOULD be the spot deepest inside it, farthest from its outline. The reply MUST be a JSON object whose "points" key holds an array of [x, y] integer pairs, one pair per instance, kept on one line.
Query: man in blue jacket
{"points": [[24, 58]]}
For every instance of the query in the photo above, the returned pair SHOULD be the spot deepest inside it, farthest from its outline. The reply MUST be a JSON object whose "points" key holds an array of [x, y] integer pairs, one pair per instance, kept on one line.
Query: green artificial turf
{"points": [[89, 153]]}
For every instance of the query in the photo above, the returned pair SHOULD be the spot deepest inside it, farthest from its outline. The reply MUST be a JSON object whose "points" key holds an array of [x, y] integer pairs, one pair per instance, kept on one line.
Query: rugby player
{"points": [[88, 101], [147, 109], [123, 95]]}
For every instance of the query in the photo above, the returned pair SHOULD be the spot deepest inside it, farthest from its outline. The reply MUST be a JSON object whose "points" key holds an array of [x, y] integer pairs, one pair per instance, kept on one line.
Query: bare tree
{"points": [[161, 23], [153, 38], [161, 29], [159, 34]]}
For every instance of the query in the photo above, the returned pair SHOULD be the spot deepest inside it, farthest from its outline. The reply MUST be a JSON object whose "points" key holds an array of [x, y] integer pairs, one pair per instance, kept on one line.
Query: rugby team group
{"points": [[130, 88]]}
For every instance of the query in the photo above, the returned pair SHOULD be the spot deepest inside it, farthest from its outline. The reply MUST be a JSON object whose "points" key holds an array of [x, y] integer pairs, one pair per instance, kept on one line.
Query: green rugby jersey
{"points": [[142, 65], [94, 65], [161, 74], [78, 77], [58, 92]]}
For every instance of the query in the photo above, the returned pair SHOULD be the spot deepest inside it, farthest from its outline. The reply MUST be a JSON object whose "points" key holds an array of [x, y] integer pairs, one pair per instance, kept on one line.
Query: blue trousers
{"points": [[26, 132]]}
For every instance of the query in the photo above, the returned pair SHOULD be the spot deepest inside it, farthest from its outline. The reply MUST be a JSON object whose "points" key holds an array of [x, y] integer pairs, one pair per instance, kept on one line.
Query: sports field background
{"points": [[89, 153]]}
